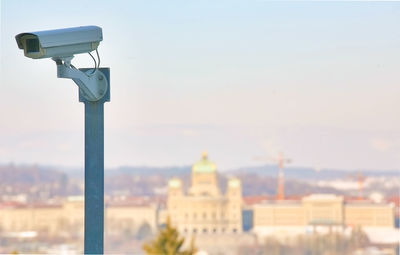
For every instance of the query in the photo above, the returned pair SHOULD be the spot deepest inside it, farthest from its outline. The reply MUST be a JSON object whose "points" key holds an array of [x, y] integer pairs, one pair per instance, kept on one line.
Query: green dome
{"points": [[204, 165]]}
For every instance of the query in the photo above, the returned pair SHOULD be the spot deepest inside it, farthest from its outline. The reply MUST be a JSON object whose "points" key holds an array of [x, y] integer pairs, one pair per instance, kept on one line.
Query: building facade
{"points": [[203, 209], [323, 210], [67, 219]]}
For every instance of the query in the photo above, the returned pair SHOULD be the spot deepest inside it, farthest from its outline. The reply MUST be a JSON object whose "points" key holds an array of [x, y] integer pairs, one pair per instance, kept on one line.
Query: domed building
{"points": [[204, 209]]}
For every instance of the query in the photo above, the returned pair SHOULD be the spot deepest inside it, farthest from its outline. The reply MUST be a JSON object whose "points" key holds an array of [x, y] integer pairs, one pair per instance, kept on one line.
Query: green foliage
{"points": [[358, 238], [168, 242], [144, 231]]}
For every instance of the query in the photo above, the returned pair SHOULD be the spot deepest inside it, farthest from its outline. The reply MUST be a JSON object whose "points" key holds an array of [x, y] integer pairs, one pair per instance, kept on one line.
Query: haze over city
{"points": [[315, 80], [234, 127]]}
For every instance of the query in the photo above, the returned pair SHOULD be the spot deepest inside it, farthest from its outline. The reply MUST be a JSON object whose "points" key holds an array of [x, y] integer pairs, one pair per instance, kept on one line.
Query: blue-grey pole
{"points": [[94, 169]]}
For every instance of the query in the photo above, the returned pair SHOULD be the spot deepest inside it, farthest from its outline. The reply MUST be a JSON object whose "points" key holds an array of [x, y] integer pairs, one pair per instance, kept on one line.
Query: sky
{"points": [[317, 81]]}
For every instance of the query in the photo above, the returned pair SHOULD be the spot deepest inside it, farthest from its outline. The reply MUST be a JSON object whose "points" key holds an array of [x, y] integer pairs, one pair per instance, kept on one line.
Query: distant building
{"points": [[67, 219], [130, 218], [203, 209], [323, 209], [321, 213]]}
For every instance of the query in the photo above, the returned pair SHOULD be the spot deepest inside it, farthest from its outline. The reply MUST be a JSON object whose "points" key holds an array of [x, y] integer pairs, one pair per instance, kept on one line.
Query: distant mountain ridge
{"points": [[301, 173], [308, 173], [150, 181], [146, 171], [29, 173]]}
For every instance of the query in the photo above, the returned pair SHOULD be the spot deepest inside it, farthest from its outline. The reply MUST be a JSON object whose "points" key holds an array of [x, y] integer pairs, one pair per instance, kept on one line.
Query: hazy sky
{"points": [[317, 80]]}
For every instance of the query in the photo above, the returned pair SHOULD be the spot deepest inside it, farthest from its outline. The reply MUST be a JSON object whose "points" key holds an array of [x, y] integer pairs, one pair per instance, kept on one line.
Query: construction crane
{"points": [[281, 161], [360, 179]]}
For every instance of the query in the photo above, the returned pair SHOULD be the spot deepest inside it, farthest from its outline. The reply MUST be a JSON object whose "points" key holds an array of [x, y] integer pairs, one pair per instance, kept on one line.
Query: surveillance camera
{"points": [[60, 43]]}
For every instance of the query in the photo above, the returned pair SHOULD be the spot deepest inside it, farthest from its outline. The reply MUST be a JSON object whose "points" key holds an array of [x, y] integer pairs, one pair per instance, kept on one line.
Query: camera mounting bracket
{"points": [[92, 83]]}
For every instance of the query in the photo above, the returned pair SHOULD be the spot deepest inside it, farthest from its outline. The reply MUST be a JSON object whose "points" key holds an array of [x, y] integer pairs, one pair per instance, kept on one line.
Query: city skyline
{"points": [[240, 216], [315, 80]]}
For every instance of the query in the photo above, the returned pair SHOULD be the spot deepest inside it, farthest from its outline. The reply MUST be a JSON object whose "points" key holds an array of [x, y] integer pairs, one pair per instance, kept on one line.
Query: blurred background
{"points": [[296, 104]]}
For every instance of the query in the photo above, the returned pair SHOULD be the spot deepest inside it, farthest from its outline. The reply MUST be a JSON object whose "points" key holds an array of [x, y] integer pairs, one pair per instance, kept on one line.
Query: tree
{"points": [[144, 231], [358, 238], [168, 242]]}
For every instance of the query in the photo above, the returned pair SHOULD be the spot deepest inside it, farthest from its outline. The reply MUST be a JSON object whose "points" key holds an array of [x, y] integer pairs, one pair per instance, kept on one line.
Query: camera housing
{"points": [[60, 43]]}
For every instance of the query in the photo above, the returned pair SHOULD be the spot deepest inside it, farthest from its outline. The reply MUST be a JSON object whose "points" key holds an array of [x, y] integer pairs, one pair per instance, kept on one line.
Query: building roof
{"points": [[11, 205], [278, 203], [323, 197], [175, 183], [18, 205], [395, 200], [204, 165], [251, 200]]}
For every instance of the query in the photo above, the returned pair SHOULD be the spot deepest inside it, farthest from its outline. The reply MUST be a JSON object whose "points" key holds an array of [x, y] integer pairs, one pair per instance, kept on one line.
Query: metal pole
{"points": [[94, 170]]}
